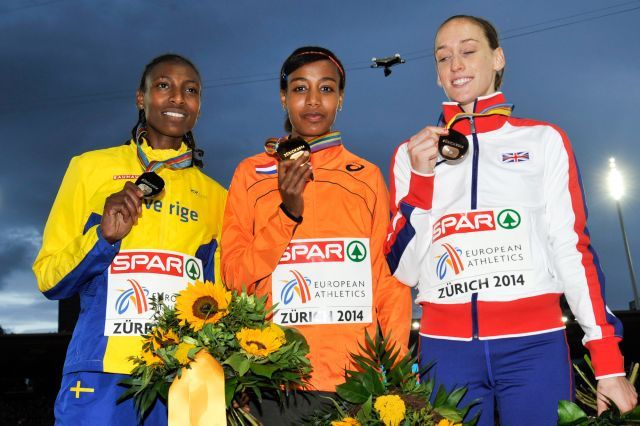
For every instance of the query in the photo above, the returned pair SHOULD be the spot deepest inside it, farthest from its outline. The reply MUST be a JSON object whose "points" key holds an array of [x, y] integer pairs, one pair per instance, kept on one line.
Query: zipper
{"points": [[474, 206]]}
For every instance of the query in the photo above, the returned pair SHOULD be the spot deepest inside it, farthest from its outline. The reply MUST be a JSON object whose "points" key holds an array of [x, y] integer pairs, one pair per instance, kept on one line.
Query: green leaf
{"points": [[230, 386], [190, 340], [569, 413], [633, 414], [441, 396], [264, 370], [239, 363], [454, 397], [449, 412], [353, 392]]}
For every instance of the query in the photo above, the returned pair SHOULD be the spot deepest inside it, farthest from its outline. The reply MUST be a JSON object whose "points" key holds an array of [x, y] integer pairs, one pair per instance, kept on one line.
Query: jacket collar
{"points": [[482, 124]]}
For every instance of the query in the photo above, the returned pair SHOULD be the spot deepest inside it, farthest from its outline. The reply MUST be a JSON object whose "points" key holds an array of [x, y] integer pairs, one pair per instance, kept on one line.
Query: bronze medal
{"points": [[453, 146], [150, 184]]}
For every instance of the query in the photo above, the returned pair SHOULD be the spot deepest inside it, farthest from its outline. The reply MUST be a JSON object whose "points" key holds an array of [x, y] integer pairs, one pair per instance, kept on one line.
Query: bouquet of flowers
{"points": [[256, 355], [384, 390]]}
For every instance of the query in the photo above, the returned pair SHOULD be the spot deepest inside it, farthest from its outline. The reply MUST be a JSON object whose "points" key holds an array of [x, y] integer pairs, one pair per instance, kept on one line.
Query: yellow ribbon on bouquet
{"points": [[197, 397]]}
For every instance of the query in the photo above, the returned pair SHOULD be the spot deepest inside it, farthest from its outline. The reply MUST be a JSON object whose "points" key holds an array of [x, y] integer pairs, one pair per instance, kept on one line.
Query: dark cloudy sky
{"points": [[69, 70]]}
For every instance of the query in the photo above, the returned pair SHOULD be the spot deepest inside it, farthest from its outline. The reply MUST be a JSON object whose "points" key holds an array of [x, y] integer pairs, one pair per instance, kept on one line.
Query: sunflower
{"points": [[161, 338], [150, 359], [447, 422], [391, 409], [347, 421], [261, 342], [202, 303], [182, 353]]}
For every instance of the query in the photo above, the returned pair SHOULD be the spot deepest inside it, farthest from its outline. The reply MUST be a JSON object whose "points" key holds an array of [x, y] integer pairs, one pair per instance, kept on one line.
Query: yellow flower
{"points": [[447, 422], [150, 358], [347, 421], [182, 353], [391, 409], [261, 342], [202, 303]]}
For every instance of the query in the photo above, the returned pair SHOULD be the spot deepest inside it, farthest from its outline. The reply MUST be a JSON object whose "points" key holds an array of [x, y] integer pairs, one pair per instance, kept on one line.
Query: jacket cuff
{"points": [[606, 357], [420, 191], [289, 214]]}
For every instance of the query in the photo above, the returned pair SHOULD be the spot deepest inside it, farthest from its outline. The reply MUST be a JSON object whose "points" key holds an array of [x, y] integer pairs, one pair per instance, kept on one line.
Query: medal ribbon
{"points": [[321, 142], [181, 161], [499, 109]]}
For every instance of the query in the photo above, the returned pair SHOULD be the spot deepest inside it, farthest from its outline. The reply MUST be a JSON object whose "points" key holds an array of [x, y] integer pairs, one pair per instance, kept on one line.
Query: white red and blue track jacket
{"points": [[493, 241]]}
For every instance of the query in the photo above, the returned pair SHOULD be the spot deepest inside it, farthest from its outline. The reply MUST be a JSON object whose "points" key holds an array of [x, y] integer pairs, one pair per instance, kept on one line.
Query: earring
{"points": [[340, 107], [284, 108]]}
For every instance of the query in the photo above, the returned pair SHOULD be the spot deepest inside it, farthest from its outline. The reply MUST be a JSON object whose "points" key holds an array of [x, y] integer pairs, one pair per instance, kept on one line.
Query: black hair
{"points": [[189, 139], [303, 56], [490, 33]]}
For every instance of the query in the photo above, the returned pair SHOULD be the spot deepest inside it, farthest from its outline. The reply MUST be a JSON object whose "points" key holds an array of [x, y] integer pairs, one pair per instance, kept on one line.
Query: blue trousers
{"points": [[523, 377], [89, 398]]}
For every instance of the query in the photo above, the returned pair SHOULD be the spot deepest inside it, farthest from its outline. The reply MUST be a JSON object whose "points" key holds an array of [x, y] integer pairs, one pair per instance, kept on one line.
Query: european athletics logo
{"points": [[136, 296], [450, 258], [298, 285]]}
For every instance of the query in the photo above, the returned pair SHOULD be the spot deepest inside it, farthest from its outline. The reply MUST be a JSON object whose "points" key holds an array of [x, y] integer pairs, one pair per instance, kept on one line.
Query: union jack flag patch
{"points": [[267, 169], [515, 157]]}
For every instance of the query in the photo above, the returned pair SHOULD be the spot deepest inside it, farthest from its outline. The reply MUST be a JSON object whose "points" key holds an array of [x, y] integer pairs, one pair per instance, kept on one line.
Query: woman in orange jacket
{"points": [[309, 232]]}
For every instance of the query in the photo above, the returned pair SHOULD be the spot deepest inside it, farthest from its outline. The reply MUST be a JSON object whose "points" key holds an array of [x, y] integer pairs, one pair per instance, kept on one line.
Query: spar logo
{"points": [[299, 286], [134, 297], [509, 219], [459, 223], [148, 262], [450, 259], [313, 251]]}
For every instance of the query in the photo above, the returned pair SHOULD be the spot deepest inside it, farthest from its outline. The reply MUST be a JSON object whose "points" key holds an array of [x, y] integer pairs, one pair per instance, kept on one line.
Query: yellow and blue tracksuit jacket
{"points": [[186, 217]]}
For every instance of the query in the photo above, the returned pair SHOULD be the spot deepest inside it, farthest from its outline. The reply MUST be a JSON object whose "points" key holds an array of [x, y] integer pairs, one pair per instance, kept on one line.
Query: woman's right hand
{"points": [[292, 177], [121, 212], [423, 149]]}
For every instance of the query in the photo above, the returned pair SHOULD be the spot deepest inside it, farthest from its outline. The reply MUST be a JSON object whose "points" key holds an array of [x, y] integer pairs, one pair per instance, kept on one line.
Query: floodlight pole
{"points": [[632, 271]]}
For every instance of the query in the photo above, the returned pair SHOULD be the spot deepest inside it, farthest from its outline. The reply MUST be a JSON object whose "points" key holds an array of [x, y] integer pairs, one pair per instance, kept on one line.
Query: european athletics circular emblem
{"points": [[356, 251], [509, 219]]}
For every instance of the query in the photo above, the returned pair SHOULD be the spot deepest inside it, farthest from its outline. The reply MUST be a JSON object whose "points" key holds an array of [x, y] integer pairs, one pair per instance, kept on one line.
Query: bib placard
{"points": [[479, 251], [135, 277], [324, 281]]}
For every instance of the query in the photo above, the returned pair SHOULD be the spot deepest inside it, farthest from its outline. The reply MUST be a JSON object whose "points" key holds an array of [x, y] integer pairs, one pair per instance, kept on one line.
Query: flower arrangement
{"points": [[256, 356], [384, 390], [572, 414]]}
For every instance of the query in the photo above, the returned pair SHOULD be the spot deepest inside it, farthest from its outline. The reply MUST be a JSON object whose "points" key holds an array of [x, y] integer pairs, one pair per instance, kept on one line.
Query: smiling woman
{"points": [[116, 245]]}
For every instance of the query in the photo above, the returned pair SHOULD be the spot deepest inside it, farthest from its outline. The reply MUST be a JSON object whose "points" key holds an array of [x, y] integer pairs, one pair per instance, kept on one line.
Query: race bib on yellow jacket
{"points": [[138, 276], [324, 281]]}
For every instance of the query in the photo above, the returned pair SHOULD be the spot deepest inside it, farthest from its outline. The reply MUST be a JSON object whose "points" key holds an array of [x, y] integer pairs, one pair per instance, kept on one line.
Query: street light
{"points": [[616, 189]]}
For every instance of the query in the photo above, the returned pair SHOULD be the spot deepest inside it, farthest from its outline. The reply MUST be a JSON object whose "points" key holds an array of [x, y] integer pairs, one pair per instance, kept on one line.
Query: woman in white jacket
{"points": [[493, 237]]}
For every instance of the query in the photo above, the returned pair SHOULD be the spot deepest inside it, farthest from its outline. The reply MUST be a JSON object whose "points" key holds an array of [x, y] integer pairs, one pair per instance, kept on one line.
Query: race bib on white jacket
{"points": [[480, 251]]}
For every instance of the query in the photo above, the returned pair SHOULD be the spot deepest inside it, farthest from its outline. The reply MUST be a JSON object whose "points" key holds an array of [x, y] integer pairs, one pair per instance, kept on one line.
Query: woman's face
{"points": [[465, 63], [312, 98], [171, 101]]}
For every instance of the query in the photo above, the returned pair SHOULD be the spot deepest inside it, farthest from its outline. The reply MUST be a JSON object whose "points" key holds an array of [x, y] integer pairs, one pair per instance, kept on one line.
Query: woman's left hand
{"points": [[620, 391]]}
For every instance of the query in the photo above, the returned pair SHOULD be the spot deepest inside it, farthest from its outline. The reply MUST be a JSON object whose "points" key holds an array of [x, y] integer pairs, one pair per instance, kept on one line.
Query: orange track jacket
{"points": [[347, 199]]}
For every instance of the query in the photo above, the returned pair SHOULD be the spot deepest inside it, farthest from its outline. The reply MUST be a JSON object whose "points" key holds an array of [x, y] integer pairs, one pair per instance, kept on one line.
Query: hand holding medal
{"points": [[294, 168], [454, 146]]}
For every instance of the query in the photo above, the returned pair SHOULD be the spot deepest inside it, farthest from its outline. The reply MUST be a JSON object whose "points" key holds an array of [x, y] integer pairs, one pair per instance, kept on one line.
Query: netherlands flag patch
{"points": [[267, 169], [515, 157]]}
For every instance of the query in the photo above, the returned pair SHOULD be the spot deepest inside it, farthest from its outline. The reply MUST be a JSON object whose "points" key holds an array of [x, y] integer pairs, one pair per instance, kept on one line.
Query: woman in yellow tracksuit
{"points": [[116, 248]]}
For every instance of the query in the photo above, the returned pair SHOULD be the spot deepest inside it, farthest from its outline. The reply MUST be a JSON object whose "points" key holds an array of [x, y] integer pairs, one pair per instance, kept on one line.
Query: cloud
{"points": [[24, 309], [18, 249]]}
